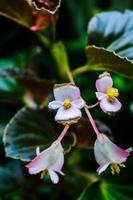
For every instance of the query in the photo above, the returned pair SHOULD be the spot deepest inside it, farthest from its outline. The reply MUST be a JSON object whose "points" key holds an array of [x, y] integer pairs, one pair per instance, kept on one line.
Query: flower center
{"points": [[43, 173], [115, 168], [67, 104], [111, 94]]}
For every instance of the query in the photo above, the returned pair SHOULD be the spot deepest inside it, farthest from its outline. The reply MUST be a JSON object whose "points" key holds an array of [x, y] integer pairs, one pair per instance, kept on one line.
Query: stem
{"points": [[91, 121], [70, 77], [92, 106], [63, 133]]}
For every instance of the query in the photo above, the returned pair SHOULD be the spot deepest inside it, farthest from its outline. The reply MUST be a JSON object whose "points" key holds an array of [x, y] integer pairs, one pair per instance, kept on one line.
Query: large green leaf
{"points": [[113, 31], [103, 59], [28, 129], [106, 191]]}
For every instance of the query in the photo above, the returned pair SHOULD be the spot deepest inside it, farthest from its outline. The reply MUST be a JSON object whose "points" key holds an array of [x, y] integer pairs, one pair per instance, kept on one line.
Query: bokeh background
{"points": [[20, 47]]}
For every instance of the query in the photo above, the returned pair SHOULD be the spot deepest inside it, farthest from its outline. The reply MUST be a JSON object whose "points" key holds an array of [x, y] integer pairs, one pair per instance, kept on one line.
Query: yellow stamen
{"points": [[43, 174], [115, 168], [67, 104], [112, 93]]}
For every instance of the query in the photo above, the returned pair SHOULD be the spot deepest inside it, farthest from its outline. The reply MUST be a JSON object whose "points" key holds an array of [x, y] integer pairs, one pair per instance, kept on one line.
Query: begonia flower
{"points": [[50, 160], [106, 94], [68, 102], [107, 153]]}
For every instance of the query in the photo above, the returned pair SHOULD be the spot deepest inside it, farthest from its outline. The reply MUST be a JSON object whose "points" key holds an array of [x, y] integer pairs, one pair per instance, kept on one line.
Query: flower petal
{"points": [[110, 107], [79, 103], [67, 114], [52, 158], [55, 104], [107, 152], [100, 95], [103, 83], [67, 91], [54, 176], [38, 151], [102, 168]]}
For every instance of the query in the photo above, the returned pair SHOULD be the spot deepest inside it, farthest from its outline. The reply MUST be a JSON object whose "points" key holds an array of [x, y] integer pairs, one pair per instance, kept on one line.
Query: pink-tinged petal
{"points": [[49, 158], [102, 168], [54, 176], [100, 95], [67, 114], [69, 92], [110, 107], [107, 152], [55, 104], [103, 83], [38, 151], [79, 103]]}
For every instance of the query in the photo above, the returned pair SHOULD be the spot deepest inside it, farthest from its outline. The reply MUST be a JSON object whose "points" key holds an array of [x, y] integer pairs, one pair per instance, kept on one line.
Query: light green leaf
{"points": [[60, 55], [101, 190]]}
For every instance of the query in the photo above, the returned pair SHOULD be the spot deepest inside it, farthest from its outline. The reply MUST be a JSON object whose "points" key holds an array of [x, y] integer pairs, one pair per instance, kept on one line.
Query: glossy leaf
{"points": [[28, 129], [114, 31], [103, 59]]}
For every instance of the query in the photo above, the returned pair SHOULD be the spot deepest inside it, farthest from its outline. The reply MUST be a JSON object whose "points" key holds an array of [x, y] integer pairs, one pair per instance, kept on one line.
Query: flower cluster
{"points": [[67, 103]]}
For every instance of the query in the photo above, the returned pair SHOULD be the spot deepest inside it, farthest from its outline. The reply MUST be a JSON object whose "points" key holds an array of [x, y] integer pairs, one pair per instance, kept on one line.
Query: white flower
{"points": [[50, 160], [68, 102]]}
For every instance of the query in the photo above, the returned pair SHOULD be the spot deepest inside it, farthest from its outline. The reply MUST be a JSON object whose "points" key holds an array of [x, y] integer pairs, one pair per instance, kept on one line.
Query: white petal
{"points": [[100, 95], [69, 92], [108, 106], [55, 104], [67, 114], [107, 152], [103, 83], [129, 150], [38, 151], [79, 103], [59, 155], [52, 157], [102, 168], [54, 176]]}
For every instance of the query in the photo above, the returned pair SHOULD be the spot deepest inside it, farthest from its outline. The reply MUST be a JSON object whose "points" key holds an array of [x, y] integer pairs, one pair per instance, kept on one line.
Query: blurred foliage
{"points": [[28, 69]]}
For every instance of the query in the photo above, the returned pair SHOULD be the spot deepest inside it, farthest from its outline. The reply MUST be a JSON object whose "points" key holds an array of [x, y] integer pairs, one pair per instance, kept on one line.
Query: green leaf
{"points": [[28, 129], [114, 31], [60, 55], [106, 191], [7, 180], [103, 59]]}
